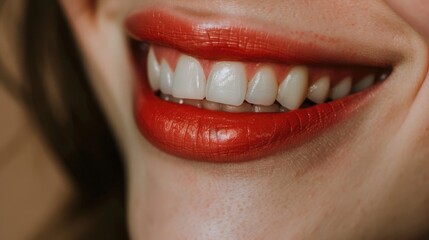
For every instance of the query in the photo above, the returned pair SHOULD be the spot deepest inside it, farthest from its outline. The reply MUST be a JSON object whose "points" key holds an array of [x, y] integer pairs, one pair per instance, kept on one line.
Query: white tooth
{"points": [[318, 92], [364, 83], [189, 80], [342, 89], [293, 90], [262, 89], [227, 83], [166, 78], [153, 70]]}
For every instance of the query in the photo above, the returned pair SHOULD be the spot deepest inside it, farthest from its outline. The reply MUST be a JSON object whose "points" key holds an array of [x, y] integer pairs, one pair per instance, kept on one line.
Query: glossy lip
{"points": [[202, 135], [241, 39]]}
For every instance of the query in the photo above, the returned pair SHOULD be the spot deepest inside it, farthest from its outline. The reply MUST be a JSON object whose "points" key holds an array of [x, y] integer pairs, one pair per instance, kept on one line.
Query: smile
{"points": [[217, 91]]}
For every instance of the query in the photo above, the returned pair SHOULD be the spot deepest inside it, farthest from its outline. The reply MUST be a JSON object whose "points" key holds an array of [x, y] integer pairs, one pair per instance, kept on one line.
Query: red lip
{"points": [[233, 39], [203, 135]]}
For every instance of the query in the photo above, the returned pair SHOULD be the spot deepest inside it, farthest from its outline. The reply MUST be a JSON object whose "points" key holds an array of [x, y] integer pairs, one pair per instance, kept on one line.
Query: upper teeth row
{"points": [[227, 83]]}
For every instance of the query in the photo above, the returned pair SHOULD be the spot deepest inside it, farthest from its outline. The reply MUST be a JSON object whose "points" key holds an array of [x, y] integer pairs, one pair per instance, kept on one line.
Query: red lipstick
{"points": [[197, 134]]}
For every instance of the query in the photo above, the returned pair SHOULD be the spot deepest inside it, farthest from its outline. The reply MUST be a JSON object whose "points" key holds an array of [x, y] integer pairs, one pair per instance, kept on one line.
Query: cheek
{"points": [[79, 9], [104, 49], [416, 12]]}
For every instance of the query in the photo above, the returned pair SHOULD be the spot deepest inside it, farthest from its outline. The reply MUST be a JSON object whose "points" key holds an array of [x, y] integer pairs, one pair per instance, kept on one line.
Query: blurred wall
{"points": [[33, 189]]}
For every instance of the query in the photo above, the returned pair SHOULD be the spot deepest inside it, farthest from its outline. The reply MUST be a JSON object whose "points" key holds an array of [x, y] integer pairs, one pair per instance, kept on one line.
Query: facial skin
{"points": [[365, 179]]}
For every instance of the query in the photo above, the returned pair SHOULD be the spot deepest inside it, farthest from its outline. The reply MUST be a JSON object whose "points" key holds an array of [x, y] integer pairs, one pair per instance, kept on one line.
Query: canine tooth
{"points": [[227, 83], [245, 107], [189, 80], [293, 90], [342, 89], [364, 83], [153, 70], [262, 89], [211, 105], [166, 78], [266, 109], [318, 92]]}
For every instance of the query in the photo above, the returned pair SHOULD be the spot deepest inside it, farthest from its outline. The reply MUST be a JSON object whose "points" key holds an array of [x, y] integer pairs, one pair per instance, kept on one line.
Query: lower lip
{"points": [[212, 136]]}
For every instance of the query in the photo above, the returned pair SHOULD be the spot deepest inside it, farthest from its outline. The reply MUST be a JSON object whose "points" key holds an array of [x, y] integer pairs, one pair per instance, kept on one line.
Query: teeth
{"points": [[293, 90], [318, 92], [166, 78], [342, 89], [226, 88], [364, 83], [262, 89], [153, 70], [189, 79], [227, 83]]}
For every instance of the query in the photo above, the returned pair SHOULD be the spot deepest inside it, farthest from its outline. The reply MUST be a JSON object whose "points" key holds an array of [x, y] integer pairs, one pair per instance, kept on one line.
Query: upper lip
{"points": [[223, 137], [235, 39]]}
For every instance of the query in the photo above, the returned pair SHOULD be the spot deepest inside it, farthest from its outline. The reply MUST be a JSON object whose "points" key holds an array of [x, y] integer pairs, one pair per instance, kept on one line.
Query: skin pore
{"points": [[364, 179]]}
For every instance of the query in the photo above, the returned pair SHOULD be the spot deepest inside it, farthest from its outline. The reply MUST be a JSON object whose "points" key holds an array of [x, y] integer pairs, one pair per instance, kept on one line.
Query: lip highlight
{"points": [[213, 136]]}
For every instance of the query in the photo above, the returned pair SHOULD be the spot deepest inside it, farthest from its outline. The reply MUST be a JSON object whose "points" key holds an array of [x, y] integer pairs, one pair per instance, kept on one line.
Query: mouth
{"points": [[222, 90]]}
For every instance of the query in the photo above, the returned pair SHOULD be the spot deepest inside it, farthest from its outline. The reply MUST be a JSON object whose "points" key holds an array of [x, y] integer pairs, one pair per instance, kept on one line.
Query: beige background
{"points": [[33, 189]]}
